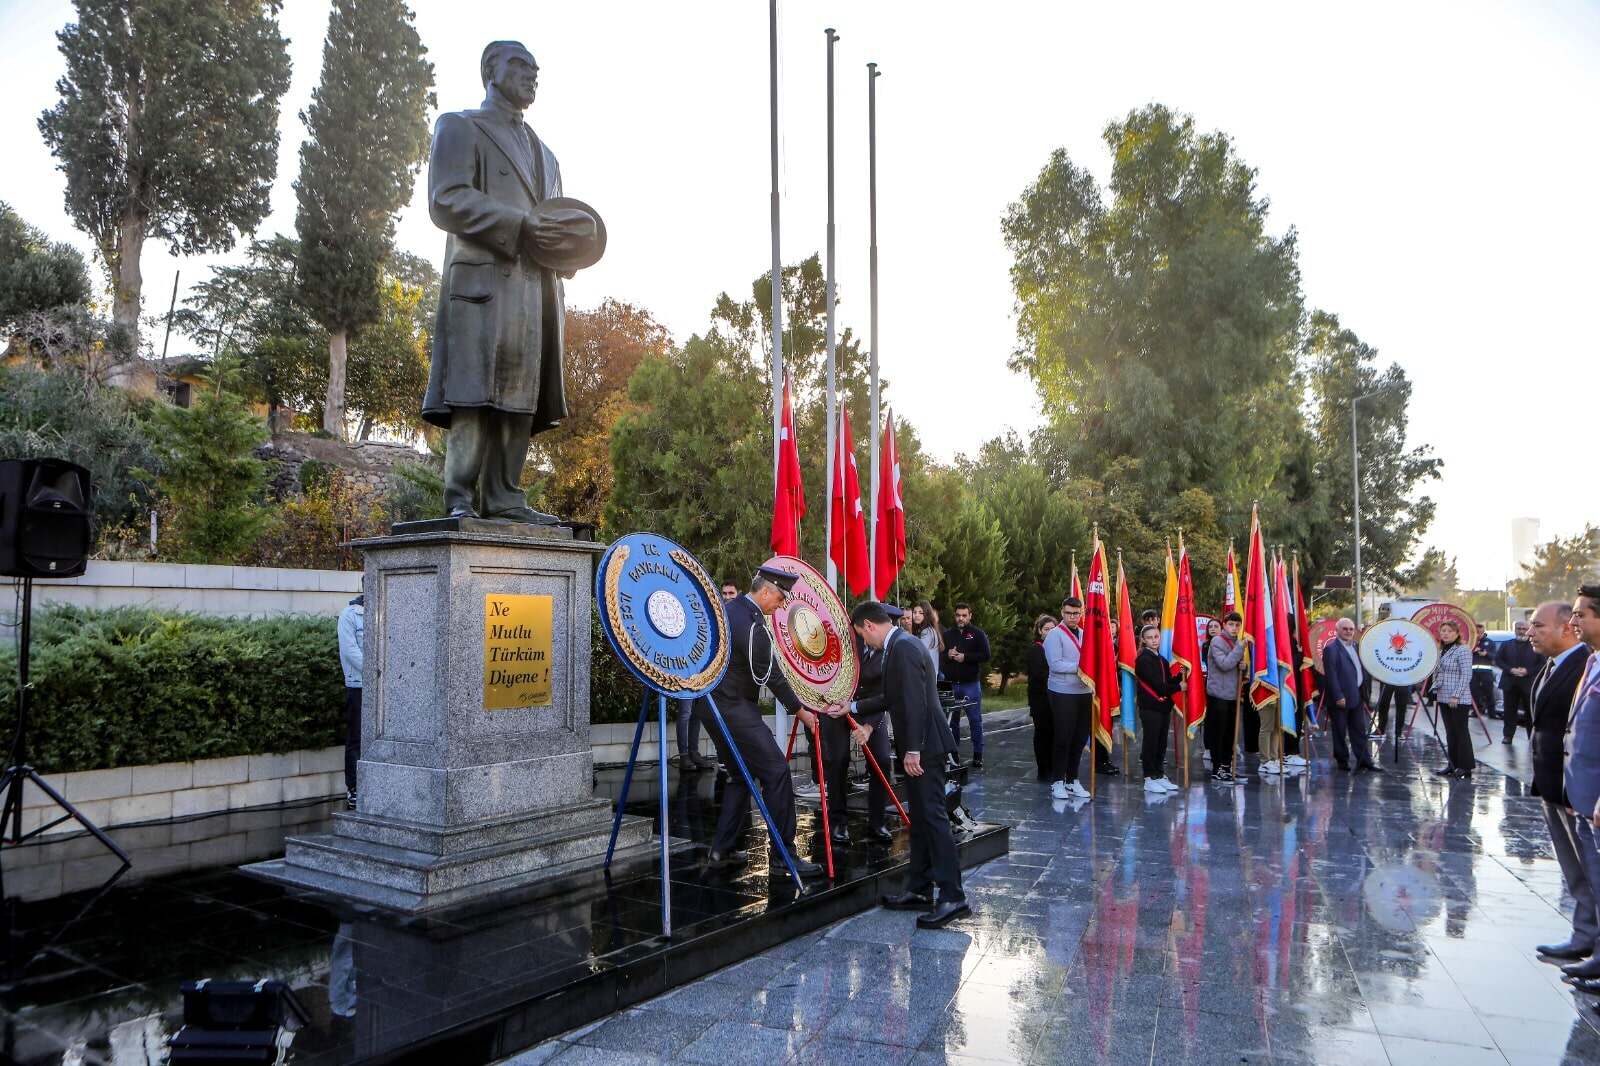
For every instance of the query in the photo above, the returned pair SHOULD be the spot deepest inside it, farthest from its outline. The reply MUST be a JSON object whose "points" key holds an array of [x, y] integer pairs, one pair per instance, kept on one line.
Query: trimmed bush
{"points": [[132, 686]]}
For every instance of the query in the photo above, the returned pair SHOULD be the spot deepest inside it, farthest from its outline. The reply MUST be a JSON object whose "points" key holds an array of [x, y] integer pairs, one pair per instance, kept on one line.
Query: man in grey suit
{"points": [[922, 738], [496, 378], [1564, 659]]}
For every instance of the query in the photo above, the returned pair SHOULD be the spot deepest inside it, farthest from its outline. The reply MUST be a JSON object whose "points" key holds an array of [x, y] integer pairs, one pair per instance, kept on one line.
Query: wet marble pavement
{"points": [[1323, 919]]}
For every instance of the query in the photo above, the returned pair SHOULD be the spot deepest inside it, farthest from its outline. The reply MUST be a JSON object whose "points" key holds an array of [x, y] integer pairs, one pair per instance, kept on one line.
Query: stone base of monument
{"points": [[476, 770]]}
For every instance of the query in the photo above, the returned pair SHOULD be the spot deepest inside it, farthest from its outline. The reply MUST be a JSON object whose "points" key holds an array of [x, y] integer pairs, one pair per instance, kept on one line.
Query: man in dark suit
{"points": [[1345, 700], [1581, 775], [922, 738], [1553, 687], [1518, 663], [836, 752], [750, 666]]}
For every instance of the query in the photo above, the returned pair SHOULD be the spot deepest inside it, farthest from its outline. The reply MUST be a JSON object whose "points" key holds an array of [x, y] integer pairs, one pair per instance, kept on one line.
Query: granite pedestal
{"points": [[476, 770]]}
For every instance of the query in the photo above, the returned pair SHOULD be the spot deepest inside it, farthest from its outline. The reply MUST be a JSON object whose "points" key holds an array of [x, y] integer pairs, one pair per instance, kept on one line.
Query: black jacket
{"points": [[1518, 653], [750, 659], [1154, 676], [870, 683], [1550, 725], [1038, 675], [973, 644], [911, 694]]}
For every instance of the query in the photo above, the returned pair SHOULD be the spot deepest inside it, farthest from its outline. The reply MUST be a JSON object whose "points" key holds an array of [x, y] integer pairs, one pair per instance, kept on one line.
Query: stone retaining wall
{"points": [[256, 591], [125, 795]]}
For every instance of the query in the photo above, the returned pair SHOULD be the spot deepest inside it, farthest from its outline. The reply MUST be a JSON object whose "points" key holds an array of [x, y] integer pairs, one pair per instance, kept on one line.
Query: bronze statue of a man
{"points": [[496, 378]]}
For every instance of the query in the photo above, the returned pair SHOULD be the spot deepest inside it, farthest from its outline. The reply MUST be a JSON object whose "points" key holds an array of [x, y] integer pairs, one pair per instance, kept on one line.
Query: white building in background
{"points": [[1524, 539]]}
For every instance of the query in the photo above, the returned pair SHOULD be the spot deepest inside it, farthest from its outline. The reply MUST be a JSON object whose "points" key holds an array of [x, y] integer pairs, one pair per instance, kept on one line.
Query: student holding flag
{"points": [[1071, 701], [1156, 688], [1225, 653]]}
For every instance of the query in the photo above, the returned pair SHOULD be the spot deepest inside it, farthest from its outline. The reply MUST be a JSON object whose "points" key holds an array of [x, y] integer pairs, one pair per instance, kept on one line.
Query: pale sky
{"points": [[1439, 161]]}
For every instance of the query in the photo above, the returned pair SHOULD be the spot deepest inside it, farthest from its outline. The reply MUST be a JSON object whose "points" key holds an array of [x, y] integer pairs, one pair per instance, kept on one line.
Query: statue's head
{"points": [[510, 68]]}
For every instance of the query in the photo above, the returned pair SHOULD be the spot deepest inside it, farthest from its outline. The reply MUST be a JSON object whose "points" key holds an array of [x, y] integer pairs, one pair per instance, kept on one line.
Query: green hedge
{"points": [[133, 686]]}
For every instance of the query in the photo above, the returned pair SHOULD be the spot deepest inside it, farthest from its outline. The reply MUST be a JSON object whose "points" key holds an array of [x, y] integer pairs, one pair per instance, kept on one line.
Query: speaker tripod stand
{"points": [[18, 773]]}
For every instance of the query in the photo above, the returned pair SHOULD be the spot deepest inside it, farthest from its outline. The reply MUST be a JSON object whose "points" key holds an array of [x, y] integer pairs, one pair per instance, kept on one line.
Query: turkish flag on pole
{"points": [[849, 548], [1230, 583], [1077, 586], [789, 501], [889, 547], [1097, 664], [1186, 643]]}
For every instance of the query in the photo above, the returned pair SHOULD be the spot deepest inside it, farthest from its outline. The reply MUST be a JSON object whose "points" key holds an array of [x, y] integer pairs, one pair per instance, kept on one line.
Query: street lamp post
{"points": [[1355, 487]]}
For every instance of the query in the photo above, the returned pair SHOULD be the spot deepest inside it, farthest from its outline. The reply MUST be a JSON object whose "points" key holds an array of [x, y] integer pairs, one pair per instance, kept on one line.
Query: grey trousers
{"points": [[483, 456], [1586, 863]]}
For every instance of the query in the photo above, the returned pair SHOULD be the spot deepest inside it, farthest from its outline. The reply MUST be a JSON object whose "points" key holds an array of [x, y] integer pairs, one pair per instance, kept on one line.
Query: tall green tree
{"points": [[367, 136], [388, 363], [251, 313], [693, 458], [1159, 319], [1339, 367], [167, 127], [1559, 566], [36, 274]]}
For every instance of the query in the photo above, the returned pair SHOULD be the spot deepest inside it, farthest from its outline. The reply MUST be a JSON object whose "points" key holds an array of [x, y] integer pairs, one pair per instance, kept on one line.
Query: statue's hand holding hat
{"points": [[565, 234]]}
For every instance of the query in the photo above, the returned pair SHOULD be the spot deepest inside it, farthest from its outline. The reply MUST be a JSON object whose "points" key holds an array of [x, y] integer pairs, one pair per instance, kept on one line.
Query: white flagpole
{"points": [[833, 436], [777, 262], [872, 214]]}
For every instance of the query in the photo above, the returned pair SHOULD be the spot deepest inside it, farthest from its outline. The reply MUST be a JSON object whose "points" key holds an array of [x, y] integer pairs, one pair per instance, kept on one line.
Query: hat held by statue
{"points": [[569, 234]]}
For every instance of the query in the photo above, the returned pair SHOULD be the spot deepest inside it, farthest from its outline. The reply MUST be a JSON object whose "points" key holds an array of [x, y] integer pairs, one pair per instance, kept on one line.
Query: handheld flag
{"points": [[849, 548], [1186, 644], [789, 498], [1257, 632], [1077, 586], [1127, 654], [1230, 583], [1098, 666], [889, 547], [1302, 632], [1169, 606], [1288, 698]]}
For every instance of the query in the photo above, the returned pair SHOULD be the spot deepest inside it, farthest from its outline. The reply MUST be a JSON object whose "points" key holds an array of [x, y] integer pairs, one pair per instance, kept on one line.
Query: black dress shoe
{"points": [[880, 835], [1108, 770], [977, 762], [1586, 968], [1569, 950], [807, 869], [944, 914], [1369, 768], [1445, 771], [719, 859], [907, 901], [1461, 775], [839, 835]]}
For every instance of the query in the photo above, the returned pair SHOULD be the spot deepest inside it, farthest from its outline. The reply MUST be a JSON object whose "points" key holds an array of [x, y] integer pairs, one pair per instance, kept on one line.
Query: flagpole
{"points": [[872, 228], [1117, 658], [833, 437], [777, 262]]}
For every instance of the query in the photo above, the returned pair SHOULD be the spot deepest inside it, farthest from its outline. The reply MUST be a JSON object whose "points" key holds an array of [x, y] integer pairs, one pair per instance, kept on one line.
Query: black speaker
{"points": [[45, 518]]}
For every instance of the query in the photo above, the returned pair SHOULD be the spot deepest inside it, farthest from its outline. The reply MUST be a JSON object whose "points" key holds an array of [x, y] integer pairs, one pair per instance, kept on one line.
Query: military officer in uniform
{"points": [[495, 378], [751, 664], [836, 736]]}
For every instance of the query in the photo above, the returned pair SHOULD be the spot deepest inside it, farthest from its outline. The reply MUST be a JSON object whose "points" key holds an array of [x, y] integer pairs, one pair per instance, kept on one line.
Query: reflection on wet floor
{"points": [[1323, 919]]}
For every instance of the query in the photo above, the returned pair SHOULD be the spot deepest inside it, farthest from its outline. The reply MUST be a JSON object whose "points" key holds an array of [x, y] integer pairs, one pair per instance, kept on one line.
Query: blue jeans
{"points": [[971, 691]]}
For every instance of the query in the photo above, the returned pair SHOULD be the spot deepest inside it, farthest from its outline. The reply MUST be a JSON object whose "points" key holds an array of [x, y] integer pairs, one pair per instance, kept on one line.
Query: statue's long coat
{"points": [[497, 340]]}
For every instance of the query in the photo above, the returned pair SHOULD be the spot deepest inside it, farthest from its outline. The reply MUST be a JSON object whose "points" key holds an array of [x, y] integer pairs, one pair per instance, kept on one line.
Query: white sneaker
{"points": [[1078, 790], [1154, 786], [1270, 767], [1172, 786], [1296, 761], [1060, 791]]}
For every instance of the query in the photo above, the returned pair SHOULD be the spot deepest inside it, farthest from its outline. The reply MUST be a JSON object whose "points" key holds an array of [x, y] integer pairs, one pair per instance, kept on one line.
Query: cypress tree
{"points": [[167, 127], [367, 136]]}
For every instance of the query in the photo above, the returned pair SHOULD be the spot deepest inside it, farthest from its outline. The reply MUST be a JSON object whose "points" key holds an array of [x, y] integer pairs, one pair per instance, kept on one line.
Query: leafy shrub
{"points": [[133, 685], [63, 415], [416, 490], [614, 694], [310, 531], [315, 474]]}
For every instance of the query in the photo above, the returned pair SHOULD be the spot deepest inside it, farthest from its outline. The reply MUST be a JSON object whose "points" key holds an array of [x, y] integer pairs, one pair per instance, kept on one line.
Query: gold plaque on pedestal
{"points": [[516, 651]]}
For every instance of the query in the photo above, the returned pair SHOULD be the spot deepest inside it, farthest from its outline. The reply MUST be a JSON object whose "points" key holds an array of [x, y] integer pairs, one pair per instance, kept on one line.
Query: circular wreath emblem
{"points": [[662, 615], [1399, 652], [811, 633]]}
